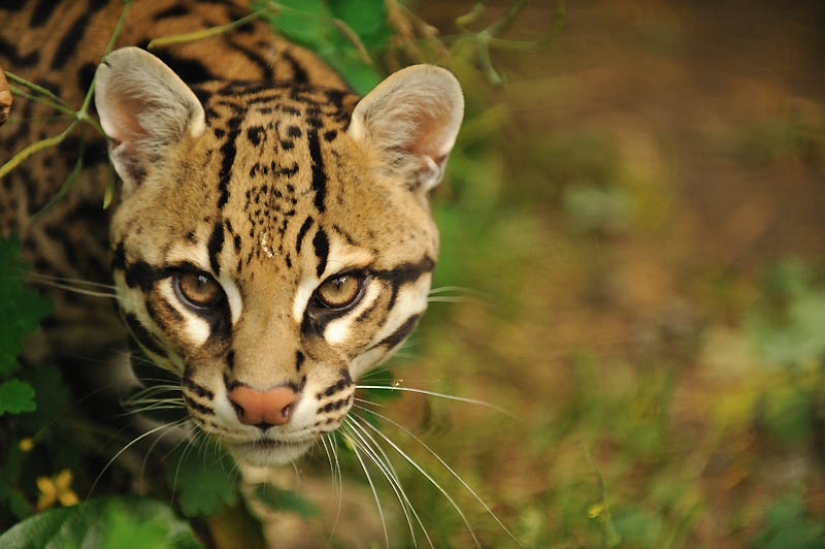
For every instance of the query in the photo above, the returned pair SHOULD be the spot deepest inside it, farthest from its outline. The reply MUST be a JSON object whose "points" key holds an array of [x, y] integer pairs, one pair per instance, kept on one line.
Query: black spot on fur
{"points": [[254, 134]]}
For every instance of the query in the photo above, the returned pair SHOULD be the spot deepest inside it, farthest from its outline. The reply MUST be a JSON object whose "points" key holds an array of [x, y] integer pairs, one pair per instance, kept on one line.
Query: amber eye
{"points": [[198, 289], [340, 291]]}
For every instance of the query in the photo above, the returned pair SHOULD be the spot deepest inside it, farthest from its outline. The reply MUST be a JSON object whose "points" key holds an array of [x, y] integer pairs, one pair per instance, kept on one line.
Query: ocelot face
{"points": [[272, 244]]}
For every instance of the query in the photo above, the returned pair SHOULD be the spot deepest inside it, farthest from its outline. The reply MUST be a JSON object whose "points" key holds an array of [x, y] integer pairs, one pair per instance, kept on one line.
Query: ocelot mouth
{"points": [[267, 444], [268, 452]]}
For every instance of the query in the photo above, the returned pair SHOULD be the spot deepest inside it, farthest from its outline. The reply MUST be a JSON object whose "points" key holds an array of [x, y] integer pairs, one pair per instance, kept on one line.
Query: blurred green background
{"points": [[639, 215]]}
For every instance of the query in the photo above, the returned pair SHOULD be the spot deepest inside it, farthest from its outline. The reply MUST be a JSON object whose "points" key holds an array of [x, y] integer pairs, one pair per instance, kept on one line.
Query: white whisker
{"points": [[368, 402], [452, 299], [378, 506], [129, 445], [152, 448], [458, 290], [439, 395], [64, 280], [384, 464], [77, 286], [337, 481], [425, 474], [443, 464]]}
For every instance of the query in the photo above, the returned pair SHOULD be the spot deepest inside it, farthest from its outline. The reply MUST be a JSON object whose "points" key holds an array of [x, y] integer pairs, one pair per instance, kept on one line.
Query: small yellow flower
{"points": [[56, 489], [26, 445], [597, 510]]}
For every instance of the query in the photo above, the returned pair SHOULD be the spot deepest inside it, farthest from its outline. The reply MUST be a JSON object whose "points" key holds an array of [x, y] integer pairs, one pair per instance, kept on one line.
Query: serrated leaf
{"points": [[204, 482], [118, 521], [16, 397], [21, 308], [286, 500]]}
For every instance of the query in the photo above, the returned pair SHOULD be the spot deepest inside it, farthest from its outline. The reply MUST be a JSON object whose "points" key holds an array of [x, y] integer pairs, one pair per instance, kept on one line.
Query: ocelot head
{"points": [[271, 242]]}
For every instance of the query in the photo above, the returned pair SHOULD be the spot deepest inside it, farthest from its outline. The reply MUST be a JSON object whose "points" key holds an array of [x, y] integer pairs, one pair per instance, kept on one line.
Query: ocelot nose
{"points": [[263, 408]]}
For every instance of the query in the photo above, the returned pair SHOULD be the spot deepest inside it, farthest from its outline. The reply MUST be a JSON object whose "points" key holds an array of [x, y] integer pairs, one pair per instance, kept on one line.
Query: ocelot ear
{"points": [[144, 108], [411, 120]]}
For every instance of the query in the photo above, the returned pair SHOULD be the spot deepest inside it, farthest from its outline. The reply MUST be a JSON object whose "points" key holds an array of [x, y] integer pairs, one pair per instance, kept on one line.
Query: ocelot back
{"points": [[271, 240]]}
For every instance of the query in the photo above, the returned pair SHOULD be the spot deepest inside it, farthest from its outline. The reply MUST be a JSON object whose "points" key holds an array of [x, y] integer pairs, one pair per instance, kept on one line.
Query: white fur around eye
{"points": [[302, 296], [338, 330], [194, 328], [233, 297]]}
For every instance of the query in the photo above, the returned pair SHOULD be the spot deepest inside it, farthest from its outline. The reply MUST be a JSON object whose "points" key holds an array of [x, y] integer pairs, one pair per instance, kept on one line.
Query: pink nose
{"points": [[263, 408]]}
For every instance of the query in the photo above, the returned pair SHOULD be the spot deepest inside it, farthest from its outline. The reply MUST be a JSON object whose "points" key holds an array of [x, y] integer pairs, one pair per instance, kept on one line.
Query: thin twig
{"points": [[35, 148], [205, 33]]}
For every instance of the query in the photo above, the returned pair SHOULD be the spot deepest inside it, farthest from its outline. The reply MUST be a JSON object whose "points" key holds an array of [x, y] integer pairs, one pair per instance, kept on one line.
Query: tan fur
{"points": [[271, 188]]}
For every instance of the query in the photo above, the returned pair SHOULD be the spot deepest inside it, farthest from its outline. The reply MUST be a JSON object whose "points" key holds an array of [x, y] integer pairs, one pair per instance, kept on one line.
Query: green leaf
{"points": [[51, 396], [286, 500], [301, 20], [21, 308], [360, 76], [16, 397], [365, 17], [18, 505], [204, 482], [118, 521], [787, 525]]}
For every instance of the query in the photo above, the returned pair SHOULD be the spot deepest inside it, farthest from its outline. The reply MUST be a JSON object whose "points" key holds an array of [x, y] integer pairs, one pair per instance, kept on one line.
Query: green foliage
{"points": [[108, 522], [787, 327], [16, 396], [285, 500], [788, 525], [342, 32], [204, 479], [21, 308]]}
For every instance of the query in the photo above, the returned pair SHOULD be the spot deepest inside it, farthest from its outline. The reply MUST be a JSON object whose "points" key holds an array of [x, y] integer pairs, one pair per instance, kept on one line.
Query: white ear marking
{"points": [[411, 119], [144, 108]]}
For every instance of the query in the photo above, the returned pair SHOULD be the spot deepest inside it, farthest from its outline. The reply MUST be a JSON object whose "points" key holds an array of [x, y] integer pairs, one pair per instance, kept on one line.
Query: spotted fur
{"points": [[252, 167]]}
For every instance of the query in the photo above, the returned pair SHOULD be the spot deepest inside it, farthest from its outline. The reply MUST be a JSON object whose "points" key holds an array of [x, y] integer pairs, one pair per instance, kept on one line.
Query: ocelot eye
{"points": [[198, 289], [340, 291]]}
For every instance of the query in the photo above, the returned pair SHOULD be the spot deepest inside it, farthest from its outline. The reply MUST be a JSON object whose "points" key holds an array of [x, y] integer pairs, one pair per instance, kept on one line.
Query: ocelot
{"points": [[271, 238]]}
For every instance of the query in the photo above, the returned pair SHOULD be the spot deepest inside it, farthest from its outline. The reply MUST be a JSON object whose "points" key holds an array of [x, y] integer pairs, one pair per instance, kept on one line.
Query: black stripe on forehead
{"points": [[214, 248], [302, 232], [228, 151], [321, 245], [319, 174]]}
